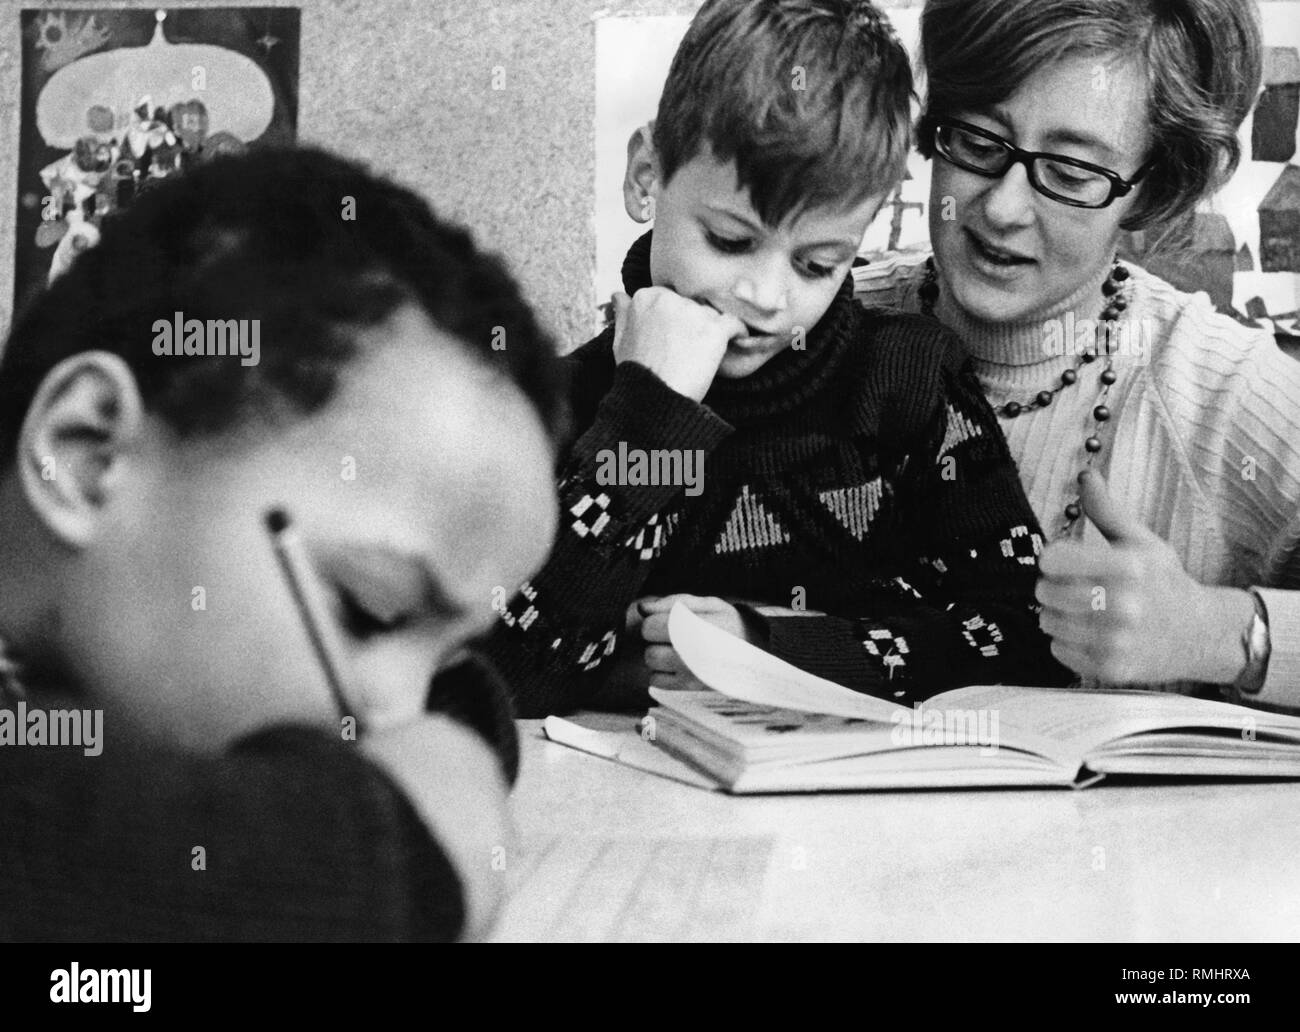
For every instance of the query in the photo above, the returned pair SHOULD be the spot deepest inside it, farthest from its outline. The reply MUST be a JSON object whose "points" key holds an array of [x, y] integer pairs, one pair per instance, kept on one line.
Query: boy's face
{"points": [[423, 488], [710, 245]]}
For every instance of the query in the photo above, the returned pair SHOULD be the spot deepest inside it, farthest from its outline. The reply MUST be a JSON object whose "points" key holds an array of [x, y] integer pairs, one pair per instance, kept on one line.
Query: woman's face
{"points": [[1006, 252]]}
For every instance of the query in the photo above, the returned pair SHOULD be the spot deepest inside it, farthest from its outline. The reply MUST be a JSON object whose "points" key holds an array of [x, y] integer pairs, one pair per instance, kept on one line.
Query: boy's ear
{"points": [[641, 182], [86, 415]]}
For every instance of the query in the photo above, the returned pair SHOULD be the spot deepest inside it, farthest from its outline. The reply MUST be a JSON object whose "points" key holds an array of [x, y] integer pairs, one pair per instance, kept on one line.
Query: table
{"points": [[610, 853]]}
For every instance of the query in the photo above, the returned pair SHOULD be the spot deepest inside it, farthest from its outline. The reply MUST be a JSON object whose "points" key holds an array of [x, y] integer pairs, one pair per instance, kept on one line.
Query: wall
{"points": [[407, 86]]}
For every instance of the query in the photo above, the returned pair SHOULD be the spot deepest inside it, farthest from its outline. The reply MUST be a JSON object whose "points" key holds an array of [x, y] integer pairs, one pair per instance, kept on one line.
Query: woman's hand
{"points": [[1127, 612], [649, 617]]}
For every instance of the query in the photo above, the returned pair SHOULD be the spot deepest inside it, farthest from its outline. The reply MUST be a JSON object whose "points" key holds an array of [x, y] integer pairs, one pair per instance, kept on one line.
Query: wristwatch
{"points": [[1255, 642]]}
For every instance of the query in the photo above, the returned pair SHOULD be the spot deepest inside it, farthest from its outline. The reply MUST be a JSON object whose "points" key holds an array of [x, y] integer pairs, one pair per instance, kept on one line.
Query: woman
{"points": [[1053, 126]]}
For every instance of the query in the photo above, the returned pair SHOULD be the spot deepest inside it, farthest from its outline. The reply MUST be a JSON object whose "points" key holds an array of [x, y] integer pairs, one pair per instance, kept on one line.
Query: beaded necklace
{"points": [[1115, 293]]}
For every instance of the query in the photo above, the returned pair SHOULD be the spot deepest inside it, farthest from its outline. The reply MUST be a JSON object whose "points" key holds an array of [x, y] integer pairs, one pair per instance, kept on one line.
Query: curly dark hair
{"points": [[264, 236]]}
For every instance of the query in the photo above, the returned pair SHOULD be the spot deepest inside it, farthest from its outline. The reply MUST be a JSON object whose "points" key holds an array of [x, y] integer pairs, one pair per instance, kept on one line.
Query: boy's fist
{"points": [[648, 617], [679, 340]]}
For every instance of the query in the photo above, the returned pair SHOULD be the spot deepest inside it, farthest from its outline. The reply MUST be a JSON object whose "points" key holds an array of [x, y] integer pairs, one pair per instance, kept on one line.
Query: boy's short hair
{"points": [[811, 98], [1202, 60], [264, 236]]}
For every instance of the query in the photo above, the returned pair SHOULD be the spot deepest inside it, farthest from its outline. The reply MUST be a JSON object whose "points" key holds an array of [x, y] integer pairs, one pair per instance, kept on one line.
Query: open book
{"points": [[767, 726]]}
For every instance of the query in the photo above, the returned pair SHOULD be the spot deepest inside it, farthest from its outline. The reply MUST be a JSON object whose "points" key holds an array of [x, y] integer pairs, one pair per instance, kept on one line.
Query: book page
{"points": [[736, 668], [743, 671], [1088, 720]]}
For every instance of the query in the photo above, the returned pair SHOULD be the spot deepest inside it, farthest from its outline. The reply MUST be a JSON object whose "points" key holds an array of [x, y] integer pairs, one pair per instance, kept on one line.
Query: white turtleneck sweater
{"points": [[1203, 443]]}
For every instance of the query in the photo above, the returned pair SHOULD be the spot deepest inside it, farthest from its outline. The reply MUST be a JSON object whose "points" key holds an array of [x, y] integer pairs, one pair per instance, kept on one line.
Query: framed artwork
{"points": [[114, 101]]}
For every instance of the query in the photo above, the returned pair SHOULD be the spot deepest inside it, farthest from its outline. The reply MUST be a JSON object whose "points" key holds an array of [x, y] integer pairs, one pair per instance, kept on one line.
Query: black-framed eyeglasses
{"points": [[1080, 184]]}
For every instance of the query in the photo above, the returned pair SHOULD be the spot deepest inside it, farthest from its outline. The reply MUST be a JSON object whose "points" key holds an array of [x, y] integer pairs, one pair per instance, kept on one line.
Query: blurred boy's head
{"points": [[401, 409], [782, 127]]}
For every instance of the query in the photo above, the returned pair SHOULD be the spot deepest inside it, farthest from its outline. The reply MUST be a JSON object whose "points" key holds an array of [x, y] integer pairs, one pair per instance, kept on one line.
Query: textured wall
{"points": [[407, 86]]}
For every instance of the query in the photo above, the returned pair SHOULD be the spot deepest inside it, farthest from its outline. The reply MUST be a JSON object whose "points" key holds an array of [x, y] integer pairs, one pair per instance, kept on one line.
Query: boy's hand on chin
{"points": [[666, 668], [679, 340]]}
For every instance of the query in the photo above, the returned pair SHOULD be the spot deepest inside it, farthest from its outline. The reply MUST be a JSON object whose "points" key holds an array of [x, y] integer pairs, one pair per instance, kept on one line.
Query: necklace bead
{"points": [[1116, 302]]}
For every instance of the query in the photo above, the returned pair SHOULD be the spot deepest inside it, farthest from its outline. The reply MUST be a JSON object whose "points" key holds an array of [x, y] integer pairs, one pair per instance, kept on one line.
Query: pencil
{"points": [[297, 572]]}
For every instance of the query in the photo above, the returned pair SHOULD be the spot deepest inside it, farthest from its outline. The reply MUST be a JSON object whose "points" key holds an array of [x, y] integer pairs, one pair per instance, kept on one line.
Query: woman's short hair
{"points": [[1202, 59]]}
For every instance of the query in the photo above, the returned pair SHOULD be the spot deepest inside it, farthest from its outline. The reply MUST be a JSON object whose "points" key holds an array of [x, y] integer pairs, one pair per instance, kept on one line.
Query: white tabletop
{"points": [[609, 853]]}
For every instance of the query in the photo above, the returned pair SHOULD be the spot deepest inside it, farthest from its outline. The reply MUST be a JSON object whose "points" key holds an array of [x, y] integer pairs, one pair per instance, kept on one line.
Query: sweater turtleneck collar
{"points": [[1018, 343], [789, 380]]}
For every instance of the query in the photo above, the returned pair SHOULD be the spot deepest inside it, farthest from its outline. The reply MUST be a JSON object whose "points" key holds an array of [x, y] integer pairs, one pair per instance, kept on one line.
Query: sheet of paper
{"points": [[636, 889], [736, 668]]}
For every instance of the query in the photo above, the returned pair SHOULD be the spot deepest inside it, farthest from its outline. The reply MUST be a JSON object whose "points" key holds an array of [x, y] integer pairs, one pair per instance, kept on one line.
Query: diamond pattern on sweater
{"points": [[525, 619], [982, 635], [750, 526], [1023, 545], [592, 512], [650, 540], [907, 589], [960, 429], [854, 506], [889, 648], [596, 651]]}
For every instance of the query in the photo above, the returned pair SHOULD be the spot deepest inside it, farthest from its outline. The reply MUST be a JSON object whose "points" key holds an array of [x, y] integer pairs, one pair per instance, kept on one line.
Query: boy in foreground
{"points": [[233, 796]]}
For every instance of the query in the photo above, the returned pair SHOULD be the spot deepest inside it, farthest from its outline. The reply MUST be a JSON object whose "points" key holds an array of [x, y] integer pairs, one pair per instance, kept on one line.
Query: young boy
{"points": [[230, 796], [750, 435]]}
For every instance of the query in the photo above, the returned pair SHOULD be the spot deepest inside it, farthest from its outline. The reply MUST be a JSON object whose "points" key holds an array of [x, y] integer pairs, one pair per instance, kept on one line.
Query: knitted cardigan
{"points": [[1203, 443], [863, 476]]}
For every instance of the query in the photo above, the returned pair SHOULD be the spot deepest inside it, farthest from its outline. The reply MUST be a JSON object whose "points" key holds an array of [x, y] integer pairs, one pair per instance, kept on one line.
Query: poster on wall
{"points": [[114, 101]]}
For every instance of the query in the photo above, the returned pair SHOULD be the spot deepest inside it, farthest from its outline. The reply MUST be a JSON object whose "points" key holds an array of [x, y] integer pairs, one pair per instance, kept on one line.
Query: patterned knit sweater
{"points": [[863, 477], [1203, 444]]}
